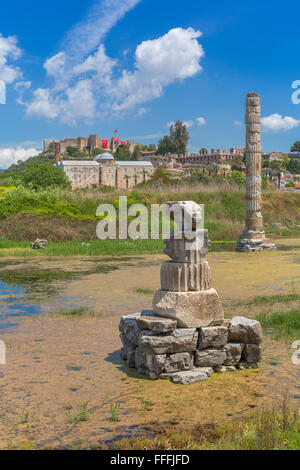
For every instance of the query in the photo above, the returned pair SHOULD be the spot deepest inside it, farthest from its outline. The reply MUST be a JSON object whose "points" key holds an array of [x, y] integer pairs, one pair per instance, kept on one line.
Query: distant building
{"points": [[104, 170], [271, 157], [216, 157], [92, 142]]}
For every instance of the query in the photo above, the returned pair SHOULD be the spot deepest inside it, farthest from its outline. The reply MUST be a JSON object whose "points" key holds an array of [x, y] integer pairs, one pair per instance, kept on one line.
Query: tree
{"points": [[166, 146], [179, 134], [296, 147], [237, 163], [44, 175], [294, 165], [160, 175], [123, 152], [136, 153]]}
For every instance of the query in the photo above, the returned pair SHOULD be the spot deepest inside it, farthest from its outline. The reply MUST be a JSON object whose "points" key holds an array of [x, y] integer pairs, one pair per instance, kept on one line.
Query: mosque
{"points": [[104, 170]]}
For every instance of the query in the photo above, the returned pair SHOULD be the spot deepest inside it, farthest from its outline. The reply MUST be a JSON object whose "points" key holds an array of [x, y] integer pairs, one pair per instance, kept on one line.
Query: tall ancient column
{"points": [[253, 237]]}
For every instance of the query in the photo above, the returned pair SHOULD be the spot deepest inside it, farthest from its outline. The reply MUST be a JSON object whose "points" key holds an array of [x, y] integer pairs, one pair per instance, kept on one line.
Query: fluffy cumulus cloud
{"points": [[85, 84], [201, 121], [11, 155], [277, 122], [9, 53]]}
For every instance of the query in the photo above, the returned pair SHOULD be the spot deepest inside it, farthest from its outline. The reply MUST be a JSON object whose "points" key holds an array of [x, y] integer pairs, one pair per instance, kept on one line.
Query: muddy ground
{"points": [[64, 384]]}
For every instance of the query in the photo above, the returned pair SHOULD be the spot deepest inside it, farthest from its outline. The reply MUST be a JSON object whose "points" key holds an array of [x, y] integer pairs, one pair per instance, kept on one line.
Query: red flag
{"points": [[123, 142], [104, 144], [116, 131]]}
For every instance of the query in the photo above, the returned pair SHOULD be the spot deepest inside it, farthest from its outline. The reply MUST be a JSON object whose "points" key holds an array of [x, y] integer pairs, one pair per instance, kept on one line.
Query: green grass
{"points": [[267, 430], [114, 411], [76, 312], [270, 299], [285, 325], [83, 248], [144, 291], [224, 210]]}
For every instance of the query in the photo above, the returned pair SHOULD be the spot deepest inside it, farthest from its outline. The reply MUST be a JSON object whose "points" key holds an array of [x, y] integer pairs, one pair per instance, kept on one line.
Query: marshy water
{"points": [[59, 365]]}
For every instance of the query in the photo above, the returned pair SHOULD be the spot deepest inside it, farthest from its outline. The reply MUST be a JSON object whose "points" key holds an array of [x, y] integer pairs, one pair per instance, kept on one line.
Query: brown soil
{"points": [[53, 228]]}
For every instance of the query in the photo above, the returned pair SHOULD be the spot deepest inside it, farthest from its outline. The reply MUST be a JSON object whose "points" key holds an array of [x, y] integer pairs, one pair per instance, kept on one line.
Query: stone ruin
{"points": [[185, 337], [253, 237]]}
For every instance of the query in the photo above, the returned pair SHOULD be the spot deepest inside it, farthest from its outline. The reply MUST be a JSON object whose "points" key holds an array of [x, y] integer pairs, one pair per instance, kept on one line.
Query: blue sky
{"points": [[74, 68]]}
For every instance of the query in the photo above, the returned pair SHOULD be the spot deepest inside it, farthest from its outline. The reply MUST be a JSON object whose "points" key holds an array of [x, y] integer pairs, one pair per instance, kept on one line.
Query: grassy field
{"points": [[266, 430], [65, 215]]}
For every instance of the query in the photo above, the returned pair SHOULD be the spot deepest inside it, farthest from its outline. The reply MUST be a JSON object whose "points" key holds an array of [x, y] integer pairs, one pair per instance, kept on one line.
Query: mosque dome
{"points": [[104, 157]]}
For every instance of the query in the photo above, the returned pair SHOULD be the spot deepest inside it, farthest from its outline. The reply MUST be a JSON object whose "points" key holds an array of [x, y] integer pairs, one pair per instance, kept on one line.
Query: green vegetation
{"points": [[285, 325], [76, 312], [271, 299], [144, 291], [267, 430], [44, 175], [296, 147], [176, 143], [114, 411], [82, 414], [70, 216]]}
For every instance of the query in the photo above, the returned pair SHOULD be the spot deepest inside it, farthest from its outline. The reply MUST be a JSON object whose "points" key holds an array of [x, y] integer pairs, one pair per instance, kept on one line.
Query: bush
{"points": [[44, 175]]}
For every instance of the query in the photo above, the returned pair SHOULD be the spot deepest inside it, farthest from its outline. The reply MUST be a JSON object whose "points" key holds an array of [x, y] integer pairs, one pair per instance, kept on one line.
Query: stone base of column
{"points": [[251, 241]]}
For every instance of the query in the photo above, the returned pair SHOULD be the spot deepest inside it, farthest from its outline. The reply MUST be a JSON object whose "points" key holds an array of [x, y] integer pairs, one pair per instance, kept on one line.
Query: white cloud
{"points": [[92, 87], [11, 155], [85, 37], [9, 51], [238, 123], [276, 122], [43, 104], [158, 63], [188, 124], [201, 121]]}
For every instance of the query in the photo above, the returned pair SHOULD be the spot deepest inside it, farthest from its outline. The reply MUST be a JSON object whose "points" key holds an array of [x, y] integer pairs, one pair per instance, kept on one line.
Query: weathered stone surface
{"points": [[187, 247], [233, 353], [253, 236], [210, 357], [185, 341], [151, 362], [128, 351], [156, 324], [129, 320], [185, 211], [178, 362], [212, 337], [251, 353], [190, 309], [39, 244], [245, 365], [185, 277], [191, 376], [245, 330]]}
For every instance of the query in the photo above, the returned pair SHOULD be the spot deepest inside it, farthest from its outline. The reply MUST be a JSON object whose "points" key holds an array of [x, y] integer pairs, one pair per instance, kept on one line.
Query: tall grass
{"points": [[284, 325], [277, 429], [224, 209]]}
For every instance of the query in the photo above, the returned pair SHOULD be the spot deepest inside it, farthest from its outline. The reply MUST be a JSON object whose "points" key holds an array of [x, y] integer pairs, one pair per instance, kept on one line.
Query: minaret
{"points": [[253, 237]]}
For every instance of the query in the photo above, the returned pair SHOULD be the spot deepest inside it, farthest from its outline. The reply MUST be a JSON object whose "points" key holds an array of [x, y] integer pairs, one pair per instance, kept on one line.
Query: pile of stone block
{"points": [[156, 347], [185, 336]]}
